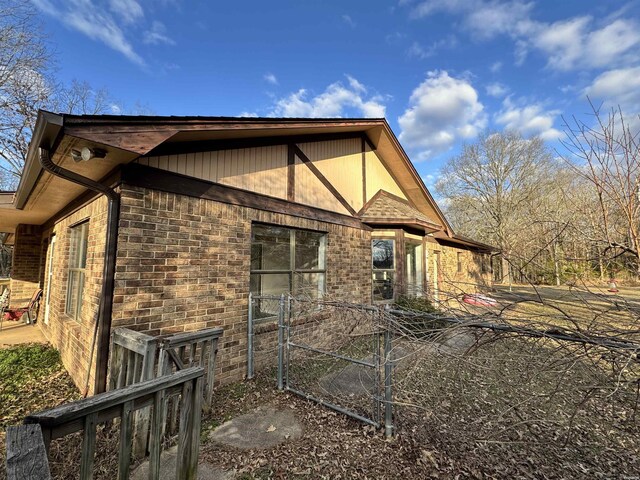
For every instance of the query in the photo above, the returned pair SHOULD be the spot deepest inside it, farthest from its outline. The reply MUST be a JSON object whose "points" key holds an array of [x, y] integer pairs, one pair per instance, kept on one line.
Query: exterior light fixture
{"points": [[87, 154]]}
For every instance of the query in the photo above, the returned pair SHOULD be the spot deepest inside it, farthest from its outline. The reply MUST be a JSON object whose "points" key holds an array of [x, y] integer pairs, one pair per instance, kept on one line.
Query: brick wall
{"points": [[25, 273], [183, 264], [451, 282], [73, 338]]}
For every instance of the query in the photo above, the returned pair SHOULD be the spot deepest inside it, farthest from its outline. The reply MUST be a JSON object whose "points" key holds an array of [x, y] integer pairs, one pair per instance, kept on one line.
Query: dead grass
{"points": [[32, 378]]}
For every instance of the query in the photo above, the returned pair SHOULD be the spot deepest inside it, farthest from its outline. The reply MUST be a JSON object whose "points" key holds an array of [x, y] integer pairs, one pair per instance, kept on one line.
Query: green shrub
{"points": [[415, 304]]}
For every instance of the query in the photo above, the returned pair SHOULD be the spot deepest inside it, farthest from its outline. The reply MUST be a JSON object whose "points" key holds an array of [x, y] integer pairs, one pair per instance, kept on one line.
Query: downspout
{"points": [[103, 324]]}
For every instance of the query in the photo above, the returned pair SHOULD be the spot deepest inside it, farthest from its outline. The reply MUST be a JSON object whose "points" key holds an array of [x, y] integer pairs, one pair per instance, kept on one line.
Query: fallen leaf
{"points": [[271, 428]]}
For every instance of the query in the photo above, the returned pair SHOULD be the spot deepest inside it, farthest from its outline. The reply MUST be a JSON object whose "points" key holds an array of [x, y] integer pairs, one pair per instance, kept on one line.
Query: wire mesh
{"points": [[263, 335], [334, 356]]}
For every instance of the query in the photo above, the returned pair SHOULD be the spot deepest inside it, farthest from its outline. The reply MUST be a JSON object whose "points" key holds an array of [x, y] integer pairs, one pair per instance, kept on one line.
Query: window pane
{"points": [[414, 269], [383, 285], [72, 292], [310, 285], [270, 248], [382, 251], [83, 234], [310, 250], [269, 283], [78, 253]]}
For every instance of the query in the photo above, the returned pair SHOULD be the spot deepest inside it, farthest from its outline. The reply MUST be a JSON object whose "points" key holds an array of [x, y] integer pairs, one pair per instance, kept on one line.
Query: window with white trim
{"points": [[79, 236]]}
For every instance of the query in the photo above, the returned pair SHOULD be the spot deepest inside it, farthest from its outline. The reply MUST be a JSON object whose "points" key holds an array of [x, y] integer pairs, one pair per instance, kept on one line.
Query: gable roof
{"points": [[384, 208], [41, 195]]}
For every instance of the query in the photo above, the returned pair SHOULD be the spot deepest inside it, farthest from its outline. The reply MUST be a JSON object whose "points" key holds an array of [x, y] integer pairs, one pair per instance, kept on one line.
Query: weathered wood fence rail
{"points": [[133, 357], [26, 449], [137, 357]]}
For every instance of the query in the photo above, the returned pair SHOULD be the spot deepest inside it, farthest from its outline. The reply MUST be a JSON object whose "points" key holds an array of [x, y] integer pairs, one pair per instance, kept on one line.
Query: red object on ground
{"points": [[613, 288], [15, 314], [479, 300]]}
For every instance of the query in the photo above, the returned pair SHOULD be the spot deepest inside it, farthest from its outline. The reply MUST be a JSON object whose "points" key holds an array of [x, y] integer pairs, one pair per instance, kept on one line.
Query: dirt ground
{"points": [[428, 443]]}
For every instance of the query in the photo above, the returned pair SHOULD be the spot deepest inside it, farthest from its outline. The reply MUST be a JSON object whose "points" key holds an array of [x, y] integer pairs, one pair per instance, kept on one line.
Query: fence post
{"points": [[281, 343], [388, 393], [287, 317], [250, 339]]}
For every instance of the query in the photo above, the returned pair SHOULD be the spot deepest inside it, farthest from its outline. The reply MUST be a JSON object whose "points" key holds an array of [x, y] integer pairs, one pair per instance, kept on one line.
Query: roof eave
{"points": [[423, 187], [48, 127]]}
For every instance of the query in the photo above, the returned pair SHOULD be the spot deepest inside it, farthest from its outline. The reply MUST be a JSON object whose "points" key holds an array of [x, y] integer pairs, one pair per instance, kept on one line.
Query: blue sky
{"points": [[440, 71]]}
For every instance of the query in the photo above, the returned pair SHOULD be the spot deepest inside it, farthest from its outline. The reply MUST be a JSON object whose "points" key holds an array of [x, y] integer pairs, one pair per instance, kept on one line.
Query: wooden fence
{"points": [[27, 447], [133, 357], [137, 357]]}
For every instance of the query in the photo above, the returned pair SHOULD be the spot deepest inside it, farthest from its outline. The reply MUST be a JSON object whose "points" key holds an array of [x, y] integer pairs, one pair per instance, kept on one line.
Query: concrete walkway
{"points": [[16, 333], [263, 428], [206, 471]]}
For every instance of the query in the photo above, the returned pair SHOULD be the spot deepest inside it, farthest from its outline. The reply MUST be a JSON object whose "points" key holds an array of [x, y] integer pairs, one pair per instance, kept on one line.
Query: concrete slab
{"points": [[352, 381], [263, 428], [358, 380], [206, 471], [15, 333]]}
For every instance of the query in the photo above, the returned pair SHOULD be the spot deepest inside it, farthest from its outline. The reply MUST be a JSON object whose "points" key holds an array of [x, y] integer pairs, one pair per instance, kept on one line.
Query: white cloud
{"points": [[430, 180], [496, 89], [129, 10], [422, 52], [442, 110], [157, 35], [484, 19], [110, 22], [496, 67], [529, 120], [619, 87], [248, 114], [337, 100], [348, 20], [92, 21], [270, 78], [573, 43]]}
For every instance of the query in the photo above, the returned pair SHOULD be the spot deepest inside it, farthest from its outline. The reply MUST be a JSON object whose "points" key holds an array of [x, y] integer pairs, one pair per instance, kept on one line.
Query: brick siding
{"points": [[25, 273], [183, 264], [73, 338]]}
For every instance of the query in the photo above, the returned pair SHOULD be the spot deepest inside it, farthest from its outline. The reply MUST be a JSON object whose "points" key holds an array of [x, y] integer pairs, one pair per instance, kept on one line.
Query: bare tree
{"points": [[27, 85], [24, 84], [606, 155], [492, 185]]}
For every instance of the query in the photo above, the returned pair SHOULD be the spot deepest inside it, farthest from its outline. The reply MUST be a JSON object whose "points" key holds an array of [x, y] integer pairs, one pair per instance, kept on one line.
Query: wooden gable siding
{"points": [[340, 161], [355, 175], [261, 169], [378, 177], [311, 191]]}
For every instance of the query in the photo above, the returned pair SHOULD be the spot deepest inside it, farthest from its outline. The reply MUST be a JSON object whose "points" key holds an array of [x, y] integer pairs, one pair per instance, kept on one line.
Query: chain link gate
{"points": [[336, 354]]}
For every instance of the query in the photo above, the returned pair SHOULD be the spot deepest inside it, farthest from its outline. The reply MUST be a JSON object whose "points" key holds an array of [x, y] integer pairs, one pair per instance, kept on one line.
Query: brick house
{"points": [[165, 224]]}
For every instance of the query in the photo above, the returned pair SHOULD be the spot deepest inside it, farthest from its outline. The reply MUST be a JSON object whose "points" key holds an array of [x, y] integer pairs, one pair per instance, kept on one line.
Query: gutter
{"points": [[102, 330]]}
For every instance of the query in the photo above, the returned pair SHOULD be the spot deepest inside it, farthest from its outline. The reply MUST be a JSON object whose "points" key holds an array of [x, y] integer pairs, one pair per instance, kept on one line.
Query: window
{"points": [[384, 266], [413, 266], [459, 262], [77, 265], [285, 260], [485, 262]]}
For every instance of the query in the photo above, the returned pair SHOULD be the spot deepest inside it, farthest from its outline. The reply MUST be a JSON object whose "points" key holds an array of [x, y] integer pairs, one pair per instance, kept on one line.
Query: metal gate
{"points": [[336, 354]]}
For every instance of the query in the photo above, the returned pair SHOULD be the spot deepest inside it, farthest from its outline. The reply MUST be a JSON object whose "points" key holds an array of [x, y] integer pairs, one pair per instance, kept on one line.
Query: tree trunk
{"points": [[506, 270]]}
